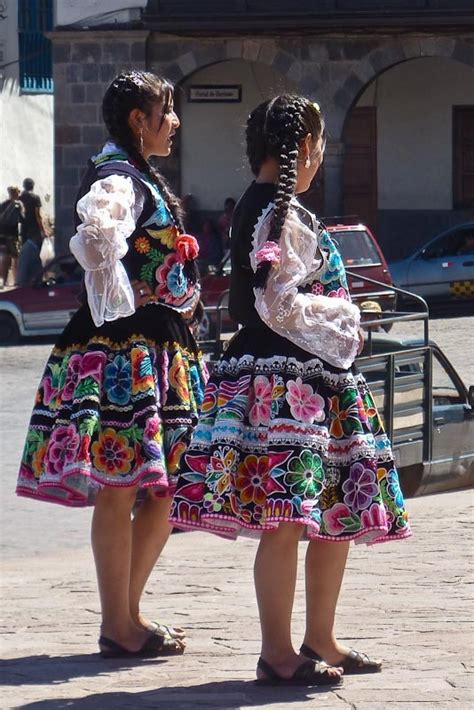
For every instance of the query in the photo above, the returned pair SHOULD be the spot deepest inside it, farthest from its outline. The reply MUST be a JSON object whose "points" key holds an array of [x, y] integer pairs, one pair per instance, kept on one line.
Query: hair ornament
{"points": [[269, 252]]}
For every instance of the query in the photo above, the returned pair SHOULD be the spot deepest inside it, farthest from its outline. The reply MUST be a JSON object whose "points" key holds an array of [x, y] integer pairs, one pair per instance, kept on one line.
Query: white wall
{"points": [[414, 103], [9, 39], [213, 160], [90, 12], [26, 142]]}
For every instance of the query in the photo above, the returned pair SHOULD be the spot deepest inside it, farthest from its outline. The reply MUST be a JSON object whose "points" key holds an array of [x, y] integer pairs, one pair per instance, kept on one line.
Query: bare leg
{"points": [[325, 565], [5, 261], [111, 537], [150, 532], [275, 579]]}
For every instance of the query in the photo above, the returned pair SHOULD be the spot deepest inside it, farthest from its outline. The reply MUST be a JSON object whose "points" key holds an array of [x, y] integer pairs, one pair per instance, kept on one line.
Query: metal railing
{"points": [[216, 344]]}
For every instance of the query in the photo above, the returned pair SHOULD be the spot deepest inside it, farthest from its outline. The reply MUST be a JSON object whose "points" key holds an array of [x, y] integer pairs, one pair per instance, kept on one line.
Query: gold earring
{"points": [[307, 163], [140, 135]]}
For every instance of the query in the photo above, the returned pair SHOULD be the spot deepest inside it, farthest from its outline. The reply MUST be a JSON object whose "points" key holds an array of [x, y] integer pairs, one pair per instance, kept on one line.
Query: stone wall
{"points": [[333, 70], [84, 63]]}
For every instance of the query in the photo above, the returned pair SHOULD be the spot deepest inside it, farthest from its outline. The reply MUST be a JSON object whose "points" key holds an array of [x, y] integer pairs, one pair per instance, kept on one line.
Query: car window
{"points": [[445, 390], [356, 247], [452, 244], [62, 272]]}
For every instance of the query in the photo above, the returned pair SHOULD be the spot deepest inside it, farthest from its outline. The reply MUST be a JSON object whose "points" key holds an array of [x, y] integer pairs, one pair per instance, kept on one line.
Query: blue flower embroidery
{"points": [[335, 272], [393, 488], [177, 281], [161, 216], [196, 384], [118, 380]]}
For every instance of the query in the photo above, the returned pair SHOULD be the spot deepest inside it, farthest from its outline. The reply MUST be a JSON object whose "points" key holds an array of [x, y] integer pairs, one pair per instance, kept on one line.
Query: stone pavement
{"points": [[409, 602]]}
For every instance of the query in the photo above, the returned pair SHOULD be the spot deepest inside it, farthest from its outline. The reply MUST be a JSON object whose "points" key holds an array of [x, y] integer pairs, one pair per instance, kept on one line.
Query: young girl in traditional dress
{"points": [[289, 443], [120, 393]]}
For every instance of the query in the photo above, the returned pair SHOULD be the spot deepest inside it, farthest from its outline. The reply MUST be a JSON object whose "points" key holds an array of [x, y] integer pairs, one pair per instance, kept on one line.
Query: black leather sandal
{"points": [[154, 646], [306, 674], [353, 664]]}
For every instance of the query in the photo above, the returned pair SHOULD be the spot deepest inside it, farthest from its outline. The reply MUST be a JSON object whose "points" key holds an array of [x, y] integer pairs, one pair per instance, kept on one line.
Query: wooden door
{"points": [[463, 157], [360, 165]]}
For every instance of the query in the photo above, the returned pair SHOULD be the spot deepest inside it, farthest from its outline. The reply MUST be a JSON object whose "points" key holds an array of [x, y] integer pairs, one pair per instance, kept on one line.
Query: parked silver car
{"points": [[441, 270]]}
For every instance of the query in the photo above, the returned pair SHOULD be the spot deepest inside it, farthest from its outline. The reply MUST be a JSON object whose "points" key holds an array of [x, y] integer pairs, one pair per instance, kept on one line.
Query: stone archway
{"points": [[400, 159], [179, 59], [331, 70], [389, 55]]}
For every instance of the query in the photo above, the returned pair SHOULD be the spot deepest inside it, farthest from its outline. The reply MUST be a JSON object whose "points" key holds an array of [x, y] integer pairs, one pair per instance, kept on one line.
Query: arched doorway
{"points": [[213, 163], [409, 151]]}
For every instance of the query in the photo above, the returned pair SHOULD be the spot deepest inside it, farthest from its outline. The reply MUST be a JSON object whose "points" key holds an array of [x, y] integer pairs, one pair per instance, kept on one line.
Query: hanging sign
{"points": [[204, 93]]}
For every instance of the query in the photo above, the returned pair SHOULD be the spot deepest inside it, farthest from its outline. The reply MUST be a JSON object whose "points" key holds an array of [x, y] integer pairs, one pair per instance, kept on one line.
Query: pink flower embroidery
{"points": [[307, 506], [72, 377], [305, 405], [317, 288], [269, 251], [374, 517], [152, 427], [261, 409], [332, 518], [49, 391], [93, 365], [173, 285], [62, 448], [339, 293]]}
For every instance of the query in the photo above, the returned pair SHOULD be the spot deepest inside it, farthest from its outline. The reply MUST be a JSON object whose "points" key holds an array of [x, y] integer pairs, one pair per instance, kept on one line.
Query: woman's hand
{"points": [[142, 293]]}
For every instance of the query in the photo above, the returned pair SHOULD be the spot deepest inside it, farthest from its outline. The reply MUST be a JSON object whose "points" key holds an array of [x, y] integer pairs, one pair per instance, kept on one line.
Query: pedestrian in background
{"points": [[12, 216], [224, 222], [121, 390], [29, 263], [290, 444]]}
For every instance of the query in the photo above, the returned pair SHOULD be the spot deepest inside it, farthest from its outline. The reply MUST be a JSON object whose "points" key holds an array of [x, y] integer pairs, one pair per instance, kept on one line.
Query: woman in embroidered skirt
{"points": [[289, 443], [121, 390]]}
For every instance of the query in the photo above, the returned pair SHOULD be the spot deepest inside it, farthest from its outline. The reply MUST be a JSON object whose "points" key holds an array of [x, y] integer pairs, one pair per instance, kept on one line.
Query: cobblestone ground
{"points": [[409, 602]]}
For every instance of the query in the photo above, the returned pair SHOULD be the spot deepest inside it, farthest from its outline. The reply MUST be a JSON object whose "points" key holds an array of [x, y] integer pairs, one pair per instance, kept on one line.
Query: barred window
{"points": [[35, 17]]}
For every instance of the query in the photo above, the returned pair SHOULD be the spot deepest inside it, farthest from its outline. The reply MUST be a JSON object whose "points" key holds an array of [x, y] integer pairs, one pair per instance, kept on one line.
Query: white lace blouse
{"points": [[108, 214], [322, 325]]}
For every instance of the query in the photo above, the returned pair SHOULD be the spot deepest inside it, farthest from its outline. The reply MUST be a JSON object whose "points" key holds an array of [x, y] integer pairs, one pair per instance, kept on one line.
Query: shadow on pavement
{"points": [[224, 695], [43, 670]]}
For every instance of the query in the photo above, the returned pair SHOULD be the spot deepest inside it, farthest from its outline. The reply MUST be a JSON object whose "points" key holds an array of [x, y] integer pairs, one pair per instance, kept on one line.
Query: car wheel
{"points": [[9, 333]]}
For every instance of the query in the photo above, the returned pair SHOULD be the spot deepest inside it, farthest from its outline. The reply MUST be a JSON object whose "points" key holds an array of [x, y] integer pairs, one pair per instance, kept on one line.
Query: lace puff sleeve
{"points": [[108, 214], [326, 327]]}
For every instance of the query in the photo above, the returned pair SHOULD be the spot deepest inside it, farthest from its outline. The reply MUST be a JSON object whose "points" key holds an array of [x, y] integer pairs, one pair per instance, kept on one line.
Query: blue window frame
{"points": [[35, 17]]}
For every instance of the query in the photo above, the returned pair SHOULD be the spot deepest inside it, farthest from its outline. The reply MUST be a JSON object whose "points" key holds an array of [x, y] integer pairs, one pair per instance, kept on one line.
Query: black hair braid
{"points": [[255, 136], [276, 130]]}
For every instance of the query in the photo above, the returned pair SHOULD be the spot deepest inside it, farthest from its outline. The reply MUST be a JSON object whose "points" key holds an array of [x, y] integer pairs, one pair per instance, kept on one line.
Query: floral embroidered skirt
{"points": [[116, 407], [285, 437]]}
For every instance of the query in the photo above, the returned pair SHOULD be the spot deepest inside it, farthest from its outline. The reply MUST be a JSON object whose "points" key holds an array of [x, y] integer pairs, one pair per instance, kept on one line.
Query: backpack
{"points": [[10, 216]]}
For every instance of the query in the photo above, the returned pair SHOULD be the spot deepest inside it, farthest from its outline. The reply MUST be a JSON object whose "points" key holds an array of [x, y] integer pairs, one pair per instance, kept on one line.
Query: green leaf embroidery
{"points": [[34, 440], [133, 433], [351, 524], [87, 387], [155, 258], [88, 426]]}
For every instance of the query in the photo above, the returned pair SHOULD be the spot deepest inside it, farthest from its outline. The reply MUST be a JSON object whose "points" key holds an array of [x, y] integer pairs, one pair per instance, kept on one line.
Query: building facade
{"points": [[395, 80], [26, 98]]}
